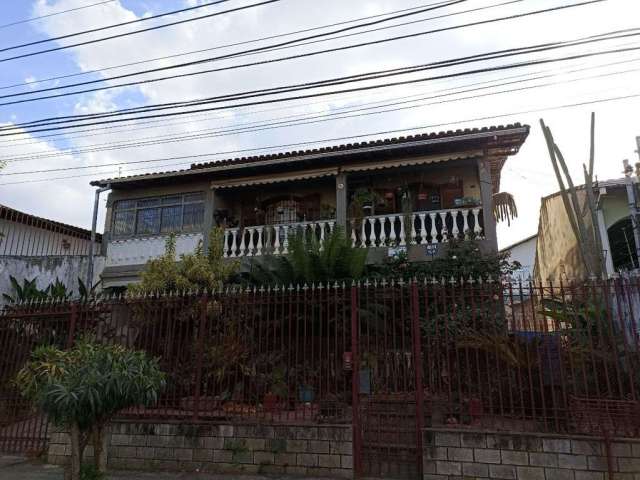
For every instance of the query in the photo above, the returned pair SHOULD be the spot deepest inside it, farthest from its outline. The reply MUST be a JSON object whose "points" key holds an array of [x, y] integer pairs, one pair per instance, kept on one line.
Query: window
{"points": [[152, 216]]}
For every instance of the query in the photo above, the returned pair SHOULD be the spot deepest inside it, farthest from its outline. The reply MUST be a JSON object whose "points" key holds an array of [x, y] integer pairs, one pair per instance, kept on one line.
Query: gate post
{"points": [[355, 385], [72, 324], [204, 303], [417, 360]]}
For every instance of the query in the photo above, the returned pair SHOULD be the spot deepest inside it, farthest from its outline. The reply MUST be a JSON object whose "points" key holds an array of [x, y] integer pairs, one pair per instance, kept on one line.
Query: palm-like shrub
{"points": [[81, 389], [312, 261]]}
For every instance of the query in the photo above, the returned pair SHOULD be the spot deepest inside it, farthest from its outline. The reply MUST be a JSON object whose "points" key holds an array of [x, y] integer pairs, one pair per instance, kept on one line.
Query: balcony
{"points": [[378, 231]]}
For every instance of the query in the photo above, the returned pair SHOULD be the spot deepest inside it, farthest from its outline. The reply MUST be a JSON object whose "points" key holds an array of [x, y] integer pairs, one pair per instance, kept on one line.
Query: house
{"points": [[33, 247], [523, 252], [412, 193], [558, 255]]}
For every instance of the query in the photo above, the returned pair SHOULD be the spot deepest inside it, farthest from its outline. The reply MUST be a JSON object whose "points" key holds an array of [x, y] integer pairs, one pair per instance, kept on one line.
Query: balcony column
{"points": [[209, 209], [486, 194], [341, 201]]}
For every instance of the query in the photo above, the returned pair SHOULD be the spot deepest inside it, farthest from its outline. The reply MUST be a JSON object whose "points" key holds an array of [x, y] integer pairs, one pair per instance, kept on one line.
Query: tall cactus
{"points": [[590, 245]]}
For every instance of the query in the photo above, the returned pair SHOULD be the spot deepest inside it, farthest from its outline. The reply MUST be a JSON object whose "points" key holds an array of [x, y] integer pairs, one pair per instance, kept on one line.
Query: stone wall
{"points": [[309, 450], [450, 454]]}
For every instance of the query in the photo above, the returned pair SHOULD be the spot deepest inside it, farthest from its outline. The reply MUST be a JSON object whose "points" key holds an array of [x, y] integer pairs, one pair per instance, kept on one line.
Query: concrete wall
{"points": [[19, 239], [452, 454], [615, 206], [557, 251], [324, 451], [46, 270]]}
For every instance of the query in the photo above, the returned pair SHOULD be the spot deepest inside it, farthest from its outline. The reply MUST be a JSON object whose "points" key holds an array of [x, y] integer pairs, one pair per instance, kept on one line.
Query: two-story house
{"points": [[412, 193]]}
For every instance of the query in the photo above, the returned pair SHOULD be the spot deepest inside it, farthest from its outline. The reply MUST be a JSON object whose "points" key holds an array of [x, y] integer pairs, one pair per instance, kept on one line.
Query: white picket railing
{"points": [[270, 239], [398, 229]]}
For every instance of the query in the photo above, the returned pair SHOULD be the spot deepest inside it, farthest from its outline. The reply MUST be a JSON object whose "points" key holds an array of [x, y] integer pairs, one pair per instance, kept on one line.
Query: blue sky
{"points": [[528, 175]]}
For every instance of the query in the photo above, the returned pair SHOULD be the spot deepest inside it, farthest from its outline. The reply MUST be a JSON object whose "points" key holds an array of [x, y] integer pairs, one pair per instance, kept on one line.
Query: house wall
{"points": [[19, 239], [615, 206], [557, 251], [46, 270], [525, 254], [451, 454]]}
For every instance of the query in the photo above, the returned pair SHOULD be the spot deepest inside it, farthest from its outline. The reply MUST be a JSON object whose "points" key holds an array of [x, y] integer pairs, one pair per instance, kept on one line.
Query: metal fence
{"points": [[389, 358]]}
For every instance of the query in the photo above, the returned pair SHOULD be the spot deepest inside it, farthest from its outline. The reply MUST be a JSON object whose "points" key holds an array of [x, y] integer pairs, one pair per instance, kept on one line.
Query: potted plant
{"points": [[275, 397]]}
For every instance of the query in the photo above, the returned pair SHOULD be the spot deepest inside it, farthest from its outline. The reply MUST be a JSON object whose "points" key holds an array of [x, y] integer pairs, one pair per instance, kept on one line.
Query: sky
{"points": [[528, 175]]}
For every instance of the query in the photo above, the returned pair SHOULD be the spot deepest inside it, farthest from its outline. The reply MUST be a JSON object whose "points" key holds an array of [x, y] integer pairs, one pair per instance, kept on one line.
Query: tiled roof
{"points": [[331, 151], [12, 215]]}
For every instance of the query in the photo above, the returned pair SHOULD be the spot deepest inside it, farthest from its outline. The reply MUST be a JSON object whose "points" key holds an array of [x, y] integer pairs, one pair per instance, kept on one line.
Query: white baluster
{"points": [[276, 242], [454, 230], [477, 229], [234, 242], [443, 216], [242, 236], [434, 230], [465, 215], [363, 238], [332, 225], [423, 229], [323, 226], [383, 234], [250, 246], [414, 233], [259, 247], [392, 233], [403, 240], [354, 238], [285, 239], [226, 244]]}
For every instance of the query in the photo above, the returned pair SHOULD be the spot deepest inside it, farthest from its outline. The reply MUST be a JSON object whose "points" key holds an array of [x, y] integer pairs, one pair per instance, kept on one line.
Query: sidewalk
{"points": [[16, 468]]}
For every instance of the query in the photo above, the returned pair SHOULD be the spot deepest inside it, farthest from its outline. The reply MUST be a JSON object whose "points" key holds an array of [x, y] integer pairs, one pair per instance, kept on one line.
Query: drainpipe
{"points": [[94, 225]]}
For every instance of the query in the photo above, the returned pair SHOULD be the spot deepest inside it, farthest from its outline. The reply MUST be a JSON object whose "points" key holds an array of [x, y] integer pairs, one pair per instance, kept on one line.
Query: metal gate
{"points": [[387, 385], [22, 428]]}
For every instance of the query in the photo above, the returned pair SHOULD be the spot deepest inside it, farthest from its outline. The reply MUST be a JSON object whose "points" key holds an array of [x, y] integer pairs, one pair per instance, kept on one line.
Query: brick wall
{"points": [[310, 450], [450, 454]]}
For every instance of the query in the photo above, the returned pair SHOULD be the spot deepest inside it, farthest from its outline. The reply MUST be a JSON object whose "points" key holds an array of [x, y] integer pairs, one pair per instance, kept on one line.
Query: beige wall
{"points": [[557, 251]]}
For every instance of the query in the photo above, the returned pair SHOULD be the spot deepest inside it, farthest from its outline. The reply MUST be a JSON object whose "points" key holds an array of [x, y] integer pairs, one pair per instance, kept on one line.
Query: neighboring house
{"points": [[414, 192], [34, 247], [558, 254], [523, 252]]}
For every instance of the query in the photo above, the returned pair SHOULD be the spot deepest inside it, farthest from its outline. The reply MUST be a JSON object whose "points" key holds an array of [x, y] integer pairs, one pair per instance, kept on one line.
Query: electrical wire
{"points": [[320, 94], [167, 57], [109, 27], [269, 124], [351, 137], [120, 35], [289, 44], [26, 20], [348, 47]]}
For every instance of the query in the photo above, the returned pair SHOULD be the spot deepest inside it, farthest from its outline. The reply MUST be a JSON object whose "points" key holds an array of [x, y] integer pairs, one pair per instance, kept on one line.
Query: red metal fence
{"points": [[388, 358]]}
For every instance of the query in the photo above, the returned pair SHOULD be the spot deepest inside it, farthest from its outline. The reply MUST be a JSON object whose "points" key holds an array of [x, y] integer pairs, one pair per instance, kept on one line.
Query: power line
{"points": [[329, 117], [387, 132], [104, 69], [278, 123], [209, 116], [299, 97], [109, 27], [26, 20], [305, 55], [268, 48], [120, 35]]}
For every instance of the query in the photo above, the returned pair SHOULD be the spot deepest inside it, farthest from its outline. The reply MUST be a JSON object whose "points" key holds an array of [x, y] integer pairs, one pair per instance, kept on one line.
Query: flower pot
{"points": [[306, 394], [272, 403]]}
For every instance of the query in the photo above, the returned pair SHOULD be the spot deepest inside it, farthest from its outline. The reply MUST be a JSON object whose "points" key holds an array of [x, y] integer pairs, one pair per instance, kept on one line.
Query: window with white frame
{"points": [[159, 215]]}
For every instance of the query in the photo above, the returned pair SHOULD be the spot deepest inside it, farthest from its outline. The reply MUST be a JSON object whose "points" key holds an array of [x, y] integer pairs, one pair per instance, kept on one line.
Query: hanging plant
{"points": [[504, 207]]}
